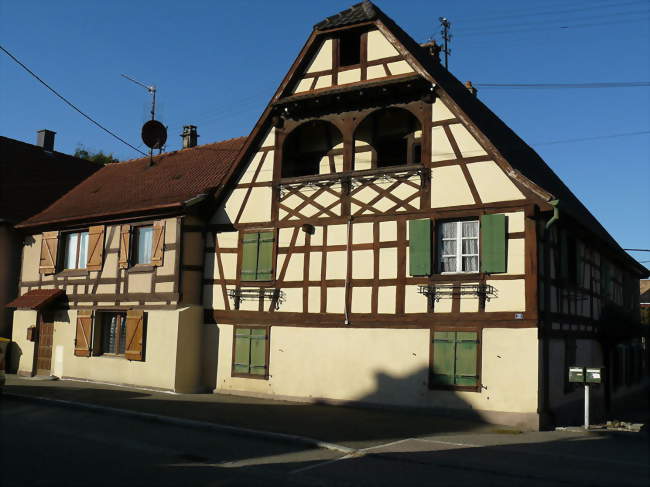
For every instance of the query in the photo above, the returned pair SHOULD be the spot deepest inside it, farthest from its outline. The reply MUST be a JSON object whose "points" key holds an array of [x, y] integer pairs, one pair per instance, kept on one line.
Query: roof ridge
{"points": [[178, 150]]}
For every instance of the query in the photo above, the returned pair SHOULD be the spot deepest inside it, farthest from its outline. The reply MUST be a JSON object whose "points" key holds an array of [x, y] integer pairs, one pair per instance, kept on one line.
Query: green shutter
{"points": [[466, 353], [443, 358], [493, 243], [249, 256], [420, 247], [242, 359], [265, 257], [258, 351]]}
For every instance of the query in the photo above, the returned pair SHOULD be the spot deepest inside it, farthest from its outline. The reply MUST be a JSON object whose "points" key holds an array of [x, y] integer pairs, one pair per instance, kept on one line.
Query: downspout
{"points": [[348, 271], [545, 413]]}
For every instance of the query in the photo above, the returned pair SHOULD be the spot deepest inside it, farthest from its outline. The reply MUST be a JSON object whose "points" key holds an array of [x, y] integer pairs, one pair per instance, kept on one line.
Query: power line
{"points": [[69, 103], [638, 250], [612, 84], [581, 139]]}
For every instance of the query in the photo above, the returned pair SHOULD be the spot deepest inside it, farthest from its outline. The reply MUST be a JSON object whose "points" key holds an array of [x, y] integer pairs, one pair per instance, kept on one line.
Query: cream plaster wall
{"points": [[441, 149], [373, 72], [165, 366], [349, 76], [449, 187], [399, 67], [379, 47], [23, 348], [467, 144], [511, 295], [303, 85], [440, 111], [516, 222], [322, 61], [31, 258], [516, 256], [386, 366], [324, 81], [492, 183]]}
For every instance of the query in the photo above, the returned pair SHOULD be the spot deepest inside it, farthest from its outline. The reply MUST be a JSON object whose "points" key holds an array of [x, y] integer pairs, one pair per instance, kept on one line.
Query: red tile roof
{"points": [[32, 178], [35, 299], [137, 185]]}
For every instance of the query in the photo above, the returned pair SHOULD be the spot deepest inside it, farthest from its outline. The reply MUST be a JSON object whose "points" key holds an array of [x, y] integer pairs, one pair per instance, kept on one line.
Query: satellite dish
{"points": [[154, 134]]}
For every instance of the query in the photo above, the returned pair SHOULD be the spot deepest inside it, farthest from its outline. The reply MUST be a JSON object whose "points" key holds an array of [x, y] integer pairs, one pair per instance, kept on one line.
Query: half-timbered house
{"points": [[111, 283], [381, 237]]}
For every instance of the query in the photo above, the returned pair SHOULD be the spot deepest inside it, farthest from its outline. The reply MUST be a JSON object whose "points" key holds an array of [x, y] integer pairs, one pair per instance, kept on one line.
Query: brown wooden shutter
{"points": [[95, 248], [134, 349], [157, 250], [49, 247], [84, 328], [125, 246]]}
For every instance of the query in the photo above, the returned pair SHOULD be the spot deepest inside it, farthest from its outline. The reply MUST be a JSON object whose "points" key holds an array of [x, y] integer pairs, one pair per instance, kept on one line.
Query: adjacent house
{"points": [[31, 178], [381, 237]]}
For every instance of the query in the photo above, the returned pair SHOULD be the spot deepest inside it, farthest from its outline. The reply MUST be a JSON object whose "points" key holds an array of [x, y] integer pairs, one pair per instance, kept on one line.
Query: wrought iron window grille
{"points": [[273, 295], [436, 292]]}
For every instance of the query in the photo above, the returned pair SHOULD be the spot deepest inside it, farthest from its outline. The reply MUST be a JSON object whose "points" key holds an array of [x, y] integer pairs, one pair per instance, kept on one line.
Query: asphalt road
{"points": [[49, 446]]}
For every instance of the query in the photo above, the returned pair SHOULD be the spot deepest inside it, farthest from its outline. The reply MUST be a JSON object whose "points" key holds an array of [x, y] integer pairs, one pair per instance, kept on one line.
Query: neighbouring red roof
{"points": [[35, 299], [137, 185], [32, 178]]}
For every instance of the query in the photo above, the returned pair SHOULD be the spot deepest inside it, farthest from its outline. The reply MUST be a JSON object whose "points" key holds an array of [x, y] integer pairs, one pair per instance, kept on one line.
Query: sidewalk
{"points": [[351, 427]]}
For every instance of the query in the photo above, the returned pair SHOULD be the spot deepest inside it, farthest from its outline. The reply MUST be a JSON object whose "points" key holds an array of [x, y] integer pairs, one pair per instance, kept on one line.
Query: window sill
{"points": [[140, 268], [455, 388], [111, 356], [250, 376], [462, 276], [73, 273]]}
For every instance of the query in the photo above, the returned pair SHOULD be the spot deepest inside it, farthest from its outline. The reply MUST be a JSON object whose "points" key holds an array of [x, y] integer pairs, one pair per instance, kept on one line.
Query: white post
{"points": [[586, 406]]}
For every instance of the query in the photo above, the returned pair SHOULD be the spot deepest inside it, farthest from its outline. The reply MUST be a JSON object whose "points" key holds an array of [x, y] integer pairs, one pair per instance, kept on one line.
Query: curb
{"points": [[190, 423]]}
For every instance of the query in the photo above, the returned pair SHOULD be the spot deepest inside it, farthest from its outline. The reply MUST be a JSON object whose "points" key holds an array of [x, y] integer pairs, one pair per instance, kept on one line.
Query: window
{"points": [[142, 244], [257, 256], [250, 352], [458, 246], [75, 250], [455, 360], [113, 333], [350, 48]]}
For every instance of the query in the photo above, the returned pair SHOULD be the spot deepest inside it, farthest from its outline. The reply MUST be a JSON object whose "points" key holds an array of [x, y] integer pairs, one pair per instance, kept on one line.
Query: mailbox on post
{"points": [[577, 374], [593, 375], [587, 376]]}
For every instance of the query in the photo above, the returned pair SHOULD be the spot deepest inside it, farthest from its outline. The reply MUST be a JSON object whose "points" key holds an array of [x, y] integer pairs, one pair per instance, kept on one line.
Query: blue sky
{"points": [[217, 63]]}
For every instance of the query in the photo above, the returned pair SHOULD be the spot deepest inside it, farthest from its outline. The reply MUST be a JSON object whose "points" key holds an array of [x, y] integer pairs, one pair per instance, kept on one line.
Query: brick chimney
{"points": [[471, 88], [45, 139], [189, 136], [433, 49]]}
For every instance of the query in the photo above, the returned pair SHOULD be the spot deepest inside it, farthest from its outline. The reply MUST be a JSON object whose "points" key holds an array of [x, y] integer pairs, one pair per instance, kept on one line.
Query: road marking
{"points": [[356, 454], [322, 464]]}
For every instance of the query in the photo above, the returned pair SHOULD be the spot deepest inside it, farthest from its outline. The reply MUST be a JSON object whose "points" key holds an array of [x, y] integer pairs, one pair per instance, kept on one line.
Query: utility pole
{"points": [[445, 25]]}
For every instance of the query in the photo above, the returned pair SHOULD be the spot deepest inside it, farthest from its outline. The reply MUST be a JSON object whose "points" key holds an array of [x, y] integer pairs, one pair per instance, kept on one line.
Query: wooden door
{"points": [[44, 346]]}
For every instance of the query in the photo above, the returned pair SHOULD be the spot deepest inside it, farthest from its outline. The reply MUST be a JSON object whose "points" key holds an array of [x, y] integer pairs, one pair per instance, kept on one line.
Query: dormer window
{"points": [[350, 48]]}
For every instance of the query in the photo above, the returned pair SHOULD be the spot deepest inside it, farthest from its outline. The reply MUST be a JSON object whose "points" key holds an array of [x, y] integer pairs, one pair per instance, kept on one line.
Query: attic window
{"points": [[350, 48]]}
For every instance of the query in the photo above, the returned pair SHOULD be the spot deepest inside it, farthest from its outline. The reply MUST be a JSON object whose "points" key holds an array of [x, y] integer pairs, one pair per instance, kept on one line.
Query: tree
{"points": [[98, 157]]}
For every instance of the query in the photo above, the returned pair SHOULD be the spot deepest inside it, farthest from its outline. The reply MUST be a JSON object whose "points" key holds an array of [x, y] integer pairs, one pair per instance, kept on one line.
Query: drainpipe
{"points": [[348, 259], [545, 413], [556, 213]]}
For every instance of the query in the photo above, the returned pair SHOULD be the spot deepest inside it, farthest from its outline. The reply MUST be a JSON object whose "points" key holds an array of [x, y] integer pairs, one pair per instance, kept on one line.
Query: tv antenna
{"points": [[154, 133], [445, 25], [151, 89]]}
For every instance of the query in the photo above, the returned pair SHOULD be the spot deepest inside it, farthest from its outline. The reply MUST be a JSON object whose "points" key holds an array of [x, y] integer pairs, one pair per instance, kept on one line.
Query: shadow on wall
{"points": [[12, 360], [210, 351]]}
